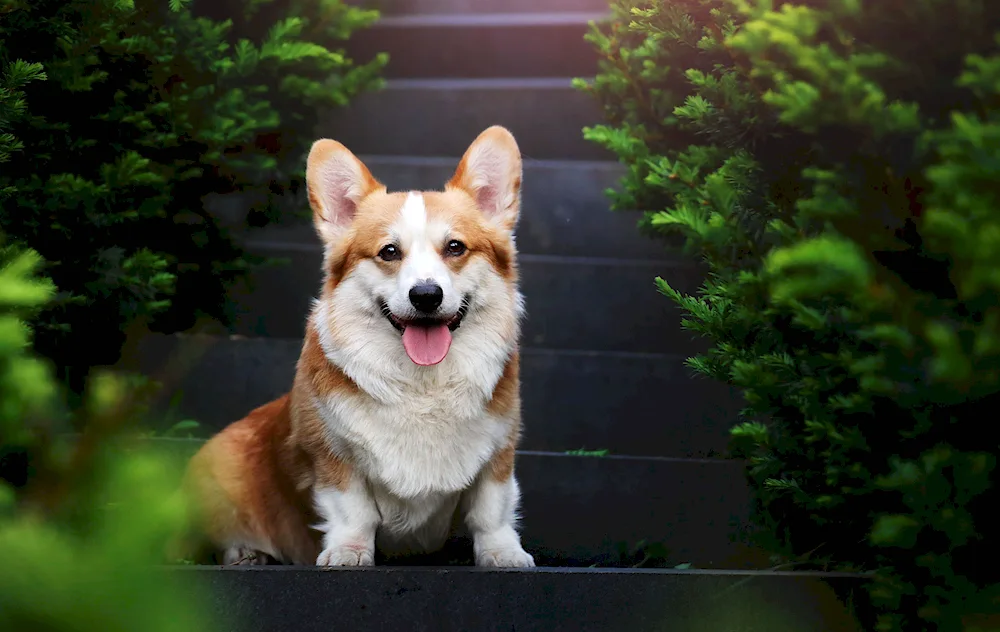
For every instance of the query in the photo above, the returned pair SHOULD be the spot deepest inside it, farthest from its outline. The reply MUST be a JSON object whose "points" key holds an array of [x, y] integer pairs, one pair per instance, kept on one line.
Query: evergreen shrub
{"points": [[83, 534], [835, 164], [129, 114]]}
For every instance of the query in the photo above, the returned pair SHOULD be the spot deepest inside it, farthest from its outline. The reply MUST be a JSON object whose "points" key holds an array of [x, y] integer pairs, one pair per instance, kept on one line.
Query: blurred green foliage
{"points": [[130, 115], [83, 536], [834, 164], [118, 119]]}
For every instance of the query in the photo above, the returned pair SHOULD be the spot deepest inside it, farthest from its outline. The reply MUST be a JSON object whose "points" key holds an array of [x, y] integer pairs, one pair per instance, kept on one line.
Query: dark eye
{"points": [[390, 253], [454, 248]]}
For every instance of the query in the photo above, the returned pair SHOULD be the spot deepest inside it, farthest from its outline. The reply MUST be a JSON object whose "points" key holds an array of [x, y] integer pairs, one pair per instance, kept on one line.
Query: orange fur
{"points": [[506, 402], [247, 483]]}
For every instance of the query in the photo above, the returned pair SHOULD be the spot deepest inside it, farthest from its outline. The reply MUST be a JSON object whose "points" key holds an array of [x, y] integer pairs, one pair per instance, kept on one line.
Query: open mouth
{"points": [[426, 340], [401, 324]]}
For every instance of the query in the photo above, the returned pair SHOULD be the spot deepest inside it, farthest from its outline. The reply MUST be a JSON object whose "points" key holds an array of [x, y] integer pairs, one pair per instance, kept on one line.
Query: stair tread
{"points": [[480, 83], [526, 351], [546, 115], [482, 46], [571, 399], [528, 163], [458, 599], [467, 7], [192, 443], [467, 20]]}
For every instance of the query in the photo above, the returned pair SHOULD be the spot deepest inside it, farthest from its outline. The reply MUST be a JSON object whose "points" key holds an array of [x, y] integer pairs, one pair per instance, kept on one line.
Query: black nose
{"points": [[426, 297]]}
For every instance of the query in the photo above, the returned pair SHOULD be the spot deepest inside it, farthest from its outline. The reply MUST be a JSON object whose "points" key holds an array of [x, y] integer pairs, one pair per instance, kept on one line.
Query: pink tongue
{"points": [[426, 346]]}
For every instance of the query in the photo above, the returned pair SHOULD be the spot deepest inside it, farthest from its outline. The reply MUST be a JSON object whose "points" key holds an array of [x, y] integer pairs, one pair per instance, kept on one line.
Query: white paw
{"points": [[346, 556], [513, 557]]}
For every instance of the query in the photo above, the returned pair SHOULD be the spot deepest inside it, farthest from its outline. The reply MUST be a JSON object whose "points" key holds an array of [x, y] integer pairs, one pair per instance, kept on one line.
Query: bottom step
{"points": [[472, 600]]}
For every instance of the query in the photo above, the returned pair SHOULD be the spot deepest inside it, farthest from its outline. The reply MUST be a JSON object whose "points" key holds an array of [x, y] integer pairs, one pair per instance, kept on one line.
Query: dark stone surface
{"points": [[441, 600], [441, 117], [627, 403], [473, 7], [572, 303], [605, 305], [443, 46], [564, 208], [620, 511], [584, 509]]}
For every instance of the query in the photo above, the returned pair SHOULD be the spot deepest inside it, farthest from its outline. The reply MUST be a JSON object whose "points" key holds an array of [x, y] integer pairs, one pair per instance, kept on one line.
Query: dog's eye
{"points": [[454, 248], [390, 253]]}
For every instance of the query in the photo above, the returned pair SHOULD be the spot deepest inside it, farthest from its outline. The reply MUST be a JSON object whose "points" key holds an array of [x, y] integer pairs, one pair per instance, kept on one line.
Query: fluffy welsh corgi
{"points": [[405, 410]]}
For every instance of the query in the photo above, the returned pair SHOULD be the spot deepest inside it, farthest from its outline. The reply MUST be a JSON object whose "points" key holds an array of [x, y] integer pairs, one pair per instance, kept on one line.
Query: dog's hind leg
{"points": [[245, 556]]}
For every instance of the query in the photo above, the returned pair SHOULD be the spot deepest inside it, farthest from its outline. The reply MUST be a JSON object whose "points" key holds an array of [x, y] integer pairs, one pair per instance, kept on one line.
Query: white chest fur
{"points": [[434, 442], [419, 435], [415, 430], [417, 458]]}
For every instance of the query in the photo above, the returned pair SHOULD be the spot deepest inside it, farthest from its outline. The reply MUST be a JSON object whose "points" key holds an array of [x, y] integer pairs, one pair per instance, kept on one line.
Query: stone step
{"points": [[564, 207], [578, 511], [574, 303], [479, 7], [634, 404], [481, 45], [275, 598], [441, 117]]}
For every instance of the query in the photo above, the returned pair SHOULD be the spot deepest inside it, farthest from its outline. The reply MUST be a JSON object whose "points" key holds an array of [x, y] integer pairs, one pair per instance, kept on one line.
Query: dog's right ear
{"points": [[337, 183]]}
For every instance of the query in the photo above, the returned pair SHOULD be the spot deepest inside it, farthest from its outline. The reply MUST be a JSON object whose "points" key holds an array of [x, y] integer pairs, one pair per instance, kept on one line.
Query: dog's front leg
{"points": [[491, 514], [349, 519]]}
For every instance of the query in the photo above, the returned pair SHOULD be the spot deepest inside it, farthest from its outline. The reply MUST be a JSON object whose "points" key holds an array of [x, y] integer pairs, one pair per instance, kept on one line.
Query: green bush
{"points": [[132, 113], [83, 536], [834, 164]]}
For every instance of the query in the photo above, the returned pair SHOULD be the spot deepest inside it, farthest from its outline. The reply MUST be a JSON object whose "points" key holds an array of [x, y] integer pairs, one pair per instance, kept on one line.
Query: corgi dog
{"points": [[404, 415]]}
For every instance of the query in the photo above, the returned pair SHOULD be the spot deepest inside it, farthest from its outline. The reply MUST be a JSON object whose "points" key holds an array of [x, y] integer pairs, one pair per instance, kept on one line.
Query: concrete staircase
{"points": [[602, 369]]}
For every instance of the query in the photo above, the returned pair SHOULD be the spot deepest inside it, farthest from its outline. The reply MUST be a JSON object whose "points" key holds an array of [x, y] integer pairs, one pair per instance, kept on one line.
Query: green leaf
{"points": [[816, 267], [895, 530]]}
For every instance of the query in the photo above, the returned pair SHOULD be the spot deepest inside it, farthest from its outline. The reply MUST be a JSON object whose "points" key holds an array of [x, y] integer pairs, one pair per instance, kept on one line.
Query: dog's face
{"points": [[408, 270]]}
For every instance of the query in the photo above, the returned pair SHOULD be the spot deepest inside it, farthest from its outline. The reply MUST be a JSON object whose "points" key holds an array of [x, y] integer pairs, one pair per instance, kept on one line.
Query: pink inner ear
{"points": [[488, 170], [341, 192], [488, 199]]}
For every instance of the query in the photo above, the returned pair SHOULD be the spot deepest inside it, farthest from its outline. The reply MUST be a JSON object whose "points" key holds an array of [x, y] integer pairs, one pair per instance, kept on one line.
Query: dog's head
{"points": [[414, 272]]}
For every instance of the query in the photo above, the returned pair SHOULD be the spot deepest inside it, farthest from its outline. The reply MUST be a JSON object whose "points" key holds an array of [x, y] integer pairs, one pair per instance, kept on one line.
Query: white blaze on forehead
{"points": [[413, 214], [421, 238]]}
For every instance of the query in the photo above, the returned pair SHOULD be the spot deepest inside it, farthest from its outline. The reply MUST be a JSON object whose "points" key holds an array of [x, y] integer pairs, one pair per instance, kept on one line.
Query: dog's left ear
{"points": [[490, 171]]}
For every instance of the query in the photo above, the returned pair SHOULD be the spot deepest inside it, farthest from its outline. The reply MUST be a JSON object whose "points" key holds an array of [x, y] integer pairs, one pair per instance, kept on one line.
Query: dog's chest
{"points": [[413, 525], [436, 441]]}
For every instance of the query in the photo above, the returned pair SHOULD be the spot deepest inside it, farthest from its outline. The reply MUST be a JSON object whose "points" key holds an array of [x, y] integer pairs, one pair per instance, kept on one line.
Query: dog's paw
{"points": [[513, 557], [242, 556], [346, 556]]}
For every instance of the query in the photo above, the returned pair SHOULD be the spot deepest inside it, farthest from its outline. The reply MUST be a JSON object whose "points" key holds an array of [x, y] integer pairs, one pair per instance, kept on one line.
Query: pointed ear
{"points": [[337, 183], [490, 171]]}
